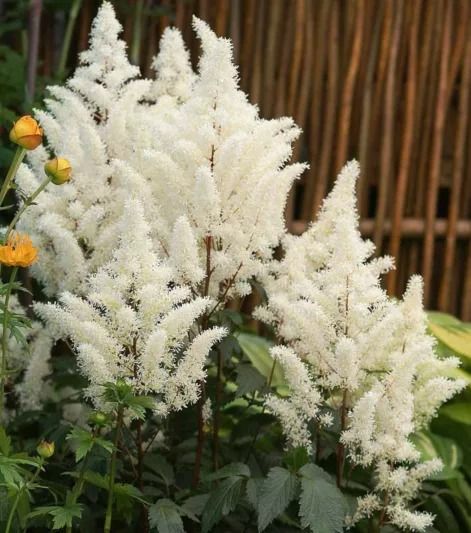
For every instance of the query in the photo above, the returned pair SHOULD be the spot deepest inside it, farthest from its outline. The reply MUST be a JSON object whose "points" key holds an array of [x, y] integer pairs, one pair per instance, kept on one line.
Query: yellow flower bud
{"points": [[26, 133], [45, 449], [59, 170]]}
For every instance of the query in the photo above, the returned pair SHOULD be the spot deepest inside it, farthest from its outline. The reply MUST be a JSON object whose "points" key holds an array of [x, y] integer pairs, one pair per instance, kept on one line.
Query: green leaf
{"points": [[248, 380], [62, 516], [460, 412], [82, 441], [257, 350], [322, 505], [276, 493], [222, 500], [161, 467], [164, 515], [455, 334], [232, 469], [433, 446], [194, 505]]}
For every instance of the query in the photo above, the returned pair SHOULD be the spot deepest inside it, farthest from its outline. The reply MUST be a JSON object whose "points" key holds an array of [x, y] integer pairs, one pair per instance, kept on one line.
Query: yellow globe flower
{"points": [[27, 133], [45, 449], [59, 170], [18, 251]]}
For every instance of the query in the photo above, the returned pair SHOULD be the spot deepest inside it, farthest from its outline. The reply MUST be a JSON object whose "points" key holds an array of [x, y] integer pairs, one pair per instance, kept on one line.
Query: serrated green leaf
{"points": [[248, 379], [222, 500], [230, 470], [322, 505], [165, 517], [62, 516], [82, 441], [253, 490], [276, 492], [161, 467], [194, 505]]}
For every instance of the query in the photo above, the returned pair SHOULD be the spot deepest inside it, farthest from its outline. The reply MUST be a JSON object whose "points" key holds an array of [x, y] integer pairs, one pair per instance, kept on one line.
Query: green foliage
{"points": [[322, 505], [277, 491]]}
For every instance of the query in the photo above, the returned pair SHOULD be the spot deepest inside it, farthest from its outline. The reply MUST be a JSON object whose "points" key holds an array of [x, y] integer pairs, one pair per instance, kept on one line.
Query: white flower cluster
{"points": [[353, 350], [135, 323], [211, 175]]}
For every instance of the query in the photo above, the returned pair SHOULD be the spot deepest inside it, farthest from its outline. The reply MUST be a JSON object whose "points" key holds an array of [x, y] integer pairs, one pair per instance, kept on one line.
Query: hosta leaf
{"points": [[165, 517], [433, 446], [222, 500], [322, 505], [276, 493], [460, 412]]}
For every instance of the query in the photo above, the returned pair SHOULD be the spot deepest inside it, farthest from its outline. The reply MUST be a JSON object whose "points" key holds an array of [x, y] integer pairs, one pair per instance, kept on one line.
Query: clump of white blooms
{"points": [[136, 324], [352, 349], [211, 175], [209, 180]]}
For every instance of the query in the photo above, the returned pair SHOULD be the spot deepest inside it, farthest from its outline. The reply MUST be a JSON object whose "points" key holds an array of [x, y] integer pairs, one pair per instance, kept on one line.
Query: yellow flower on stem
{"points": [[27, 133], [58, 170], [18, 251]]}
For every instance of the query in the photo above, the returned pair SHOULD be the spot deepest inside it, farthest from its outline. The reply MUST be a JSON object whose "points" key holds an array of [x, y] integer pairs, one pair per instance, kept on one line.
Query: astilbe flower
{"points": [[366, 355], [136, 324], [217, 177], [100, 122]]}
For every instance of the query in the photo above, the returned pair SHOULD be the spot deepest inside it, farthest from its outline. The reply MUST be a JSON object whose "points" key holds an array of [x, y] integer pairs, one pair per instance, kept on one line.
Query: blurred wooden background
{"points": [[384, 81]]}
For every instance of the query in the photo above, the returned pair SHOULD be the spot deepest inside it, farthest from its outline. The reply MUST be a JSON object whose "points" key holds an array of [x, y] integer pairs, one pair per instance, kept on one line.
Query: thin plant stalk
{"points": [[25, 206], [73, 13], [137, 33], [17, 159], [109, 507], [5, 340]]}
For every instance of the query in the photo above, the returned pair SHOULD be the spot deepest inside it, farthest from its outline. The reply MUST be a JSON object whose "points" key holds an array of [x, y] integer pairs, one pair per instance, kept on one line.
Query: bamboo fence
{"points": [[384, 81]]}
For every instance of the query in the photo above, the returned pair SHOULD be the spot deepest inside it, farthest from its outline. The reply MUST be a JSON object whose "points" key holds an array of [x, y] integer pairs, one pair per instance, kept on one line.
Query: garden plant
{"points": [[136, 395]]}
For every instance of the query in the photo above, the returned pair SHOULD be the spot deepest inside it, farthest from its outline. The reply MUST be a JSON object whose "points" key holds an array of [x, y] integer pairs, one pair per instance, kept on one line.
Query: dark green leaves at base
{"points": [[222, 501], [322, 506], [165, 517], [276, 493]]}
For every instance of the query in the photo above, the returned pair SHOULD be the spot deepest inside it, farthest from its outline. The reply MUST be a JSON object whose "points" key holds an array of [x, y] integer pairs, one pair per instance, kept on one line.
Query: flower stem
{"points": [[25, 206], [73, 12], [5, 340], [109, 507], [18, 496], [17, 159]]}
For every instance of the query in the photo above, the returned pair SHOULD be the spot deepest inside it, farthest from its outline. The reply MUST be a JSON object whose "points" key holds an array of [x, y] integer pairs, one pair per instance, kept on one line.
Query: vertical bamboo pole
{"points": [[436, 155], [458, 172], [407, 143], [388, 130]]}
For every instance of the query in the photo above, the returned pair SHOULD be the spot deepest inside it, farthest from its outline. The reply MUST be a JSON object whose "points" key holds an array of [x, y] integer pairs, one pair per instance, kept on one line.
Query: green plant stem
{"points": [[257, 433], [109, 507], [25, 206], [17, 159], [5, 340], [18, 496], [73, 13], [137, 33], [77, 490]]}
